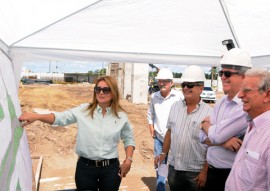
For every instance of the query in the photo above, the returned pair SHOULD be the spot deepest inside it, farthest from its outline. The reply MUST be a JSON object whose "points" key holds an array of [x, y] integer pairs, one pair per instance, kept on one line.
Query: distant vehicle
{"points": [[42, 81], [208, 95], [28, 81], [153, 88], [36, 81], [153, 84]]}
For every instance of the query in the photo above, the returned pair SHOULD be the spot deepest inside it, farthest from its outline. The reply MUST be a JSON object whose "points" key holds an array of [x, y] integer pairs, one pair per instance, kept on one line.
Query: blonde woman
{"points": [[101, 124]]}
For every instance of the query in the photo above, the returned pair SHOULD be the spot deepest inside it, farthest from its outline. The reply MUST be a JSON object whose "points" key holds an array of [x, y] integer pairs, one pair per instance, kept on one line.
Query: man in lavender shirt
{"points": [[222, 131], [251, 169]]}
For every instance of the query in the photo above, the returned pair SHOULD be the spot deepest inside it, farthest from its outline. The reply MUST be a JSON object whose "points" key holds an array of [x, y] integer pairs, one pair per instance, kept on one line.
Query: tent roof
{"points": [[152, 31]]}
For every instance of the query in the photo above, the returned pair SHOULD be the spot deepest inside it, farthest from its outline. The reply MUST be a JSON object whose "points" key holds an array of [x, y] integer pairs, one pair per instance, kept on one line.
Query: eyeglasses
{"points": [[189, 85], [227, 74], [247, 90], [105, 90]]}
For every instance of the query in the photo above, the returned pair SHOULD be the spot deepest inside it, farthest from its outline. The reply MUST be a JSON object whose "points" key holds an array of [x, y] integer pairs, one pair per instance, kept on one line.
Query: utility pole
{"points": [[50, 67]]}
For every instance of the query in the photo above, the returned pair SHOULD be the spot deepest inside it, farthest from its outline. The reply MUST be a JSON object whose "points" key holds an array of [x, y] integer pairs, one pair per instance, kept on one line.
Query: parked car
{"points": [[208, 95], [36, 81]]}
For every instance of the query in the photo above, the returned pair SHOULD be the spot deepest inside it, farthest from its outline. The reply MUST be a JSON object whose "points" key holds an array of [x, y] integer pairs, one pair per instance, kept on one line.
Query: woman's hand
{"points": [[124, 168], [28, 118]]}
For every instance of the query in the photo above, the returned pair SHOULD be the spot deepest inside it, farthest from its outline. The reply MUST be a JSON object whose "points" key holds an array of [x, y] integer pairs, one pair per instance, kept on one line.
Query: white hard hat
{"points": [[164, 74], [237, 59], [193, 74]]}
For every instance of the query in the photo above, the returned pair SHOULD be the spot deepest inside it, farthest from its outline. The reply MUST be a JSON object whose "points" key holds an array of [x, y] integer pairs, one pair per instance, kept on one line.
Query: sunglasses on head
{"points": [[105, 90], [189, 85], [227, 74]]}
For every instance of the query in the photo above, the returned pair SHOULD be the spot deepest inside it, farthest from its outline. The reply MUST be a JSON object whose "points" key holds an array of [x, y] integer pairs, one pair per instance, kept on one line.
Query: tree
{"points": [[213, 74], [102, 72], [177, 75]]}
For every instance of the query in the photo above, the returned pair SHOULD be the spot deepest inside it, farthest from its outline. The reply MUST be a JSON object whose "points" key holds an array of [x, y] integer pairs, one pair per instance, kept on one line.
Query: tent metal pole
{"points": [[226, 14], [5, 54]]}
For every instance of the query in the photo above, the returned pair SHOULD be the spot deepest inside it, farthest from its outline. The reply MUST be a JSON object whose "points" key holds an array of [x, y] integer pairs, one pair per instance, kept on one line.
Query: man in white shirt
{"points": [[158, 112]]}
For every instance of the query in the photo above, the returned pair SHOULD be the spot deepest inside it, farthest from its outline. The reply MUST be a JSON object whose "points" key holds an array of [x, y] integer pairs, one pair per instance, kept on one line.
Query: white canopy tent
{"points": [[181, 32], [160, 31]]}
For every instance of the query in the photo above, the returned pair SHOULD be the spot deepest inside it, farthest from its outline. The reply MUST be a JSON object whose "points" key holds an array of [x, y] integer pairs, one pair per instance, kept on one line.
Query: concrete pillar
{"points": [[127, 81], [139, 81]]}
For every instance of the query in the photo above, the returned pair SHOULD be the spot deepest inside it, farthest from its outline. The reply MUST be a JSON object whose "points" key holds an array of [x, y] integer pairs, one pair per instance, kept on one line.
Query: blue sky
{"points": [[69, 67]]}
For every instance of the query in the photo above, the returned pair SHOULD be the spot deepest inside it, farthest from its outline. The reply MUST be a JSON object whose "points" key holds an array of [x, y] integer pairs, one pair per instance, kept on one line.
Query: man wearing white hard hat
{"points": [[158, 112], [223, 131], [187, 157]]}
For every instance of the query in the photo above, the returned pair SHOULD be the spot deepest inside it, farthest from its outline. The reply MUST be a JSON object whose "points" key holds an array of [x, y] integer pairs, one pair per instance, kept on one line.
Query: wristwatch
{"points": [[162, 153]]}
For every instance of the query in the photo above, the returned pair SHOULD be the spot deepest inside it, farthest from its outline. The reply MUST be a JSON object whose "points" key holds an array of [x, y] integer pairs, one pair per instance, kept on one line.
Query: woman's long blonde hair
{"points": [[115, 102]]}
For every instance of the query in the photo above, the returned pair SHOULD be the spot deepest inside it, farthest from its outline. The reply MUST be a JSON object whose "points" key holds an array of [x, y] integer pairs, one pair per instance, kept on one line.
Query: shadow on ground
{"points": [[150, 182]]}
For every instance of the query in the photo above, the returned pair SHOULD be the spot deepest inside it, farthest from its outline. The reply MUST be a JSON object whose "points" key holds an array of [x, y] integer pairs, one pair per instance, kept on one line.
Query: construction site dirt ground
{"points": [[56, 144]]}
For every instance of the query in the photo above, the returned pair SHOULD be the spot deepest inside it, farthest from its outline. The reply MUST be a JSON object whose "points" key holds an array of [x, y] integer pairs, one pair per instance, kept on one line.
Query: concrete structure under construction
{"points": [[132, 80]]}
